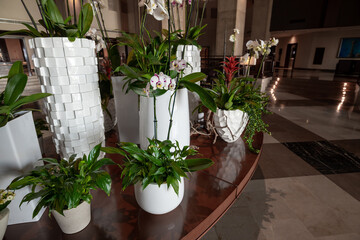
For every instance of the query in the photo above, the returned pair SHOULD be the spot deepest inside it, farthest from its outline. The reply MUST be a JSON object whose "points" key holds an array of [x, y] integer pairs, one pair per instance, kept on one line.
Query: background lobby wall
{"points": [[307, 44]]}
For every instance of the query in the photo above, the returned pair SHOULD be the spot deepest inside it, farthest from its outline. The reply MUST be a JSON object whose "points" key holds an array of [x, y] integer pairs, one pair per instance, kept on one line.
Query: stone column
{"points": [[230, 15], [261, 19]]}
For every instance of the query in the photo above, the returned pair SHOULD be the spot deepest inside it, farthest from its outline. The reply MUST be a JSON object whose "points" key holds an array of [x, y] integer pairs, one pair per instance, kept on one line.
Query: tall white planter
{"points": [[180, 130], [19, 152], [68, 70], [230, 124], [193, 58], [127, 112], [74, 220], [158, 200]]}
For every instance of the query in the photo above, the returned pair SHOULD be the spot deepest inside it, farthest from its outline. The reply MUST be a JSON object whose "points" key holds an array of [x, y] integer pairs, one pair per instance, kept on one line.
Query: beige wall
{"points": [[308, 42]]}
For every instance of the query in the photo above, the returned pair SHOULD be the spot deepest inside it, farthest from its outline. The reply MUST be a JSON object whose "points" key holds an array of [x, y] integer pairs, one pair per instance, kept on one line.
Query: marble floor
{"points": [[307, 185]]}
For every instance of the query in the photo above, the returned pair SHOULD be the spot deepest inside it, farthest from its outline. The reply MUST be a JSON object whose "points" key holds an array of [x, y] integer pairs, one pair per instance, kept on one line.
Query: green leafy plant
{"points": [[54, 23], [231, 93], [64, 184], [10, 98], [40, 125], [162, 162]]}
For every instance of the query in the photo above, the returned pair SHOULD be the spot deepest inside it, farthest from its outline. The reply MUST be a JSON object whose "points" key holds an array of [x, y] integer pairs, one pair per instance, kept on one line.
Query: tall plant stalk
{"points": [[28, 13], [155, 119]]}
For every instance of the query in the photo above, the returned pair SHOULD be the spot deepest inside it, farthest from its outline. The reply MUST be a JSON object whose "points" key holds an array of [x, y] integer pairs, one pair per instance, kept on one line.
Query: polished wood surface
{"points": [[208, 195]]}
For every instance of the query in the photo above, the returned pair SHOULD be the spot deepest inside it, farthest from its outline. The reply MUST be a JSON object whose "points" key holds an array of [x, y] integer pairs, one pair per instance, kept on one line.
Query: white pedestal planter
{"points": [[230, 124], [191, 56], [4, 217], [109, 123], [158, 200], [180, 130], [20, 151], [127, 112], [68, 70], [75, 219]]}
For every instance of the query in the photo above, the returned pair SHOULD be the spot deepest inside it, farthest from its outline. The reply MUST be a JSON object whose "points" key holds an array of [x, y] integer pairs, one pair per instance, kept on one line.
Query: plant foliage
{"points": [[10, 98], [162, 162], [65, 184]]}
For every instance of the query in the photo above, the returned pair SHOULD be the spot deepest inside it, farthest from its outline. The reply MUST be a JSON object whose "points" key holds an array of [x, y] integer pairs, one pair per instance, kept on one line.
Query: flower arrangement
{"points": [[6, 196], [65, 183]]}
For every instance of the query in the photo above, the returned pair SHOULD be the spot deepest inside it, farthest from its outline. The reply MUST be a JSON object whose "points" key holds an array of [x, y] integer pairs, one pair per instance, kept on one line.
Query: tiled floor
{"points": [[307, 185]]}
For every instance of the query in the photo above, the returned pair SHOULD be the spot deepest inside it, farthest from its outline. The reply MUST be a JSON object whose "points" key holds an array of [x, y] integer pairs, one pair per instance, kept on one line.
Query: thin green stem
{"points": [[28, 13], [74, 8], [173, 107], [178, 13], [203, 12], [188, 22], [155, 119], [197, 12], [103, 24], [68, 9]]}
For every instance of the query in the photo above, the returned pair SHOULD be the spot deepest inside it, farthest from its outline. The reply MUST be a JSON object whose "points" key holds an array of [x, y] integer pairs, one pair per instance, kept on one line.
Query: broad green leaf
{"points": [[14, 88], [170, 180], [205, 97], [32, 30], [85, 19], [53, 11], [16, 68], [177, 169], [29, 99], [113, 150], [101, 162], [103, 181], [94, 153], [194, 77], [197, 164], [50, 160]]}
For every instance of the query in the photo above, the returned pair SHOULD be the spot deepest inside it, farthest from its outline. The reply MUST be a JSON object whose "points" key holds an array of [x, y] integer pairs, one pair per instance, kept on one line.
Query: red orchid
{"points": [[230, 67]]}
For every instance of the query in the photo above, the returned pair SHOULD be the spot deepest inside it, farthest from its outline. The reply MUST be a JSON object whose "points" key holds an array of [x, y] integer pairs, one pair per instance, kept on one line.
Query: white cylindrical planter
{"points": [[193, 58], [4, 217], [180, 130], [19, 152], [75, 219], [230, 124], [127, 112], [158, 200], [68, 70], [110, 122]]}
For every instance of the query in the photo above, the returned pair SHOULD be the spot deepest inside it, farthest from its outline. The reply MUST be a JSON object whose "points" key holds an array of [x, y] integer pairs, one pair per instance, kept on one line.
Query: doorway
{"points": [[290, 55]]}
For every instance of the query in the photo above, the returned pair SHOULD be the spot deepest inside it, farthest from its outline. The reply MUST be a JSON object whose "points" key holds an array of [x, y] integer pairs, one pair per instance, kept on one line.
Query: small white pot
{"points": [[75, 219], [158, 200], [109, 123], [4, 218], [230, 124], [180, 130]]}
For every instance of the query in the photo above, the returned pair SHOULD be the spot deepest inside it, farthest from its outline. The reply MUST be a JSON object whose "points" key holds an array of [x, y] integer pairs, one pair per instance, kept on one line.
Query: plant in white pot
{"points": [[64, 187], [6, 196], [158, 172], [19, 146], [66, 64]]}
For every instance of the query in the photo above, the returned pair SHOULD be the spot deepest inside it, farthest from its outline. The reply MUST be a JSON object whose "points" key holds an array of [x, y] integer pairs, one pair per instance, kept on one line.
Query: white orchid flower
{"points": [[150, 6], [252, 45], [274, 42], [160, 12], [232, 38], [237, 31], [91, 33], [178, 65]]}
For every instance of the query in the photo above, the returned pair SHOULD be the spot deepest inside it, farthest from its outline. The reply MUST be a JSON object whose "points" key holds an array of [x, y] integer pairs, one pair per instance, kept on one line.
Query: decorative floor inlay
{"points": [[325, 157]]}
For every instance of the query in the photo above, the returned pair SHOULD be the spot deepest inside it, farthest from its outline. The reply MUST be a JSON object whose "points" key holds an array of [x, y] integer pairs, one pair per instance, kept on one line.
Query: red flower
{"points": [[230, 67]]}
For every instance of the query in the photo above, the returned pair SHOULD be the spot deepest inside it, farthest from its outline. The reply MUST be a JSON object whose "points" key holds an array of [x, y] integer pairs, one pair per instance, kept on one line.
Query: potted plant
{"points": [[157, 172], [6, 197], [19, 145], [64, 187], [66, 64], [152, 62], [240, 104]]}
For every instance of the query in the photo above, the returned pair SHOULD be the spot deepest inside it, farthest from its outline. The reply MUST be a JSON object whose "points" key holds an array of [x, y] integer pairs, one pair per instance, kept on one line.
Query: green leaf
{"points": [[42, 203], [32, 30], [103, 181], [53, 11], [197, 164], [16, 68], [50, 160], [194, 77], [101, 162], [94, 153], [14, 88], [29, 99], [85, 19], [170, 180], [177, 169], [205, 97], [113, 150], [160, 171]]}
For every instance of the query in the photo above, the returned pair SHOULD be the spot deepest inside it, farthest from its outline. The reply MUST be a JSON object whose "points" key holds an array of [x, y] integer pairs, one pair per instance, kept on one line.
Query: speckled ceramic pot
{"points": [[230, 124]]}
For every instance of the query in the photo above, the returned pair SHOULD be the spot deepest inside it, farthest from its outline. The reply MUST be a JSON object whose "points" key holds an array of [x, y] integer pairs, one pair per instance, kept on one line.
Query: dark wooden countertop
{"points": [[208, 195]]}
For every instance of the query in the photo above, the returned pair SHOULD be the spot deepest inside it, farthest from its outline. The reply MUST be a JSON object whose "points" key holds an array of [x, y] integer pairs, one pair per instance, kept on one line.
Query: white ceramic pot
{"points": [[127, 112], [180, 130], [110, 122], [4, 217], [19, 152], [158, 200], [75, 219], [230, 124], [68, 70], [191, 56]]}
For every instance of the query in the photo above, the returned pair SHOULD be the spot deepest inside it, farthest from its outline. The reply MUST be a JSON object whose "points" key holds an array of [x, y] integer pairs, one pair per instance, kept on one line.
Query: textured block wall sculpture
{"points": [[68, 70]]}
